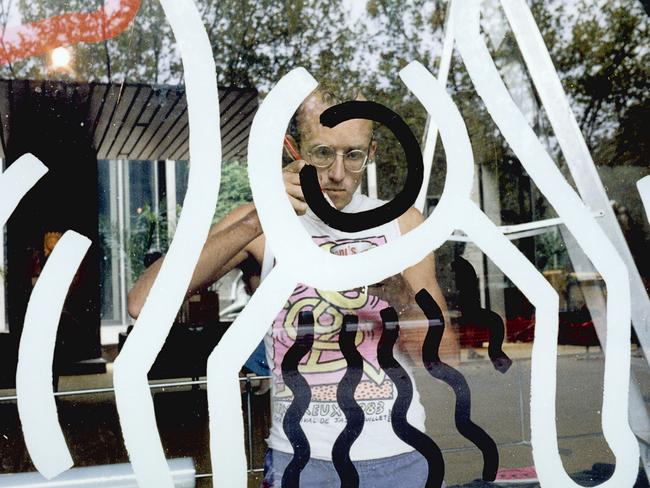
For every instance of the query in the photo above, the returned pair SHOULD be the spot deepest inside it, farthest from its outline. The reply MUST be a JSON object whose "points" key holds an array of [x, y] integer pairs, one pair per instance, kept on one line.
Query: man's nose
{"points": [[337, 170]]}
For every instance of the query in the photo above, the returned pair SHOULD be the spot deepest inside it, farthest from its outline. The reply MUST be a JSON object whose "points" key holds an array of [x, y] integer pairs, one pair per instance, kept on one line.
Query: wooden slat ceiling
{"points": [[135, 121]]}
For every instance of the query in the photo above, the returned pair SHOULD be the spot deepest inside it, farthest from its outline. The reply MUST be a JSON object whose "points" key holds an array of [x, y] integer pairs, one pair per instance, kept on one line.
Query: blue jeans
{"points": [[407, 470], [257, 362]]}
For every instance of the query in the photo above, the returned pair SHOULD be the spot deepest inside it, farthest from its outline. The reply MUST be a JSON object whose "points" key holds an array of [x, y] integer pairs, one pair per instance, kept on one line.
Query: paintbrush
{"points": [[295, 155]]}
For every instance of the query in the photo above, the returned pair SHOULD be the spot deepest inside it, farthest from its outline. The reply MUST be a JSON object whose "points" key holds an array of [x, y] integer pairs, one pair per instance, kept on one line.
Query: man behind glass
{"points": [[340, 155]]}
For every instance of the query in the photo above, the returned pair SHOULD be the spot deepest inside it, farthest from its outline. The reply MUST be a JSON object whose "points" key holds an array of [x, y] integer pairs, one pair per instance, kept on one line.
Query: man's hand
{"points": [[291, 177], [413, 324], [396, 291]]}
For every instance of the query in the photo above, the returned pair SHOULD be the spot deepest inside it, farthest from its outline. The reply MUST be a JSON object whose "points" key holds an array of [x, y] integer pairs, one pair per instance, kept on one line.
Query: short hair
{"points": [[329, 97]]}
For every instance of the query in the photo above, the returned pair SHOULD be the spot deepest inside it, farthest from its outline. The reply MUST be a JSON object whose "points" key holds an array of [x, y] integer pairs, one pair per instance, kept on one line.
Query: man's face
{"points": [[338, 183]]}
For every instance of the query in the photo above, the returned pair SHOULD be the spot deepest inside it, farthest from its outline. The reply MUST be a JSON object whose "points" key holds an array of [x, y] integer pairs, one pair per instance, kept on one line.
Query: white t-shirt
{"points": [[324, 366]]}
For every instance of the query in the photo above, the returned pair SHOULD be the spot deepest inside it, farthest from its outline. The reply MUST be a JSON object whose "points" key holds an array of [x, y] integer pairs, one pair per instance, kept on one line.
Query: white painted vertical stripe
{"points": [[595, 243], [123, 226], [371, 174], [170, 182], [133, 398], [643, 185], [4, 327], [227, 450]]}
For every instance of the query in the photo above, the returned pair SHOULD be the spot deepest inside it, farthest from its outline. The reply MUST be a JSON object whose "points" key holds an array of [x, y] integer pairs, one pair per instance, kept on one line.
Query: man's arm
{"points": [[419, 276], [228, 244], [230, 241]]}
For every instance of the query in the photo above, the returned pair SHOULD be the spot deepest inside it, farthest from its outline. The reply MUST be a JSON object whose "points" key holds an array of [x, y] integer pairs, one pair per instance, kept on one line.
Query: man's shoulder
{"points": [[409, 220]]}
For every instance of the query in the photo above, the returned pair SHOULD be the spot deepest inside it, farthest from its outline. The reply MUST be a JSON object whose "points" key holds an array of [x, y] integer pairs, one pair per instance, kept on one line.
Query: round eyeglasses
{"points": [[323, 156]]}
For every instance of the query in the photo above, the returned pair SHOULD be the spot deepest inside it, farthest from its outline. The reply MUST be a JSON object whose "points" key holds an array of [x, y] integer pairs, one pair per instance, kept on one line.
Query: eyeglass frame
{"points": [[363, 166]]}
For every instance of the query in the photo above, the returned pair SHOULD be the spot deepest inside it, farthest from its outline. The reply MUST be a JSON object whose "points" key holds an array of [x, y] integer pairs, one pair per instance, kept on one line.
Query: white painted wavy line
{"points": [[34, 392], [596, 245], [16, 181], [529, 280], [643, 185], [133, 398], [227, 451]]}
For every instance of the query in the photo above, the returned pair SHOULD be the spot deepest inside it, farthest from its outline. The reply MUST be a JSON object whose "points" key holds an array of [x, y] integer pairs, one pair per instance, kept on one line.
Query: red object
{"points": [[35, 38], [292, 150], [522, 475], [473, 335], [520, 329]]}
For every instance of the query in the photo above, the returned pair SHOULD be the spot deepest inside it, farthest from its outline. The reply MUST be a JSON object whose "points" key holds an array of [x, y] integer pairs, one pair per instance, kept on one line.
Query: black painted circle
{"points": [[355, 222]]}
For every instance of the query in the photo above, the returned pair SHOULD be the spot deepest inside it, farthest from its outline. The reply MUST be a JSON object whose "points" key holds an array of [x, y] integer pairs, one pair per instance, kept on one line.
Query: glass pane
{"points": [[109, 239], [182, 173], [4, 326], [481, 358], [144, 225]]}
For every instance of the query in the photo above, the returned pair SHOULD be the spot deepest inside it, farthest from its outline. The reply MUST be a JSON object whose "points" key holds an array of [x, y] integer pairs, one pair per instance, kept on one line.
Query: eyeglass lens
{"points": [[323, 156]]}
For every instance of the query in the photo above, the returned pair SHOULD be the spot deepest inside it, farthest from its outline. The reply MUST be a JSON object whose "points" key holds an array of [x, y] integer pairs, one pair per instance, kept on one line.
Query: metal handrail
{"points": [[152, 386], [176, 384]]}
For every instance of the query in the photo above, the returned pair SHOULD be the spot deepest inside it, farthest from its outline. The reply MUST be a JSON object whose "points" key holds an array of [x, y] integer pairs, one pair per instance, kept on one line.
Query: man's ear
{"points": [[373, 150]]}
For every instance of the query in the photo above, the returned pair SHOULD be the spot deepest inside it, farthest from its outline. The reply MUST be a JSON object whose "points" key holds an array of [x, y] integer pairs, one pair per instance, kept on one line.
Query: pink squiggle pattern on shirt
{"points": [[328, 306]]}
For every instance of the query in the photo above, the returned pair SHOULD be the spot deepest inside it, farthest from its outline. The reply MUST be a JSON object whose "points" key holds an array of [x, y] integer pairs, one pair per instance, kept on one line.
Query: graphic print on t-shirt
{"points": [[324, 366]]}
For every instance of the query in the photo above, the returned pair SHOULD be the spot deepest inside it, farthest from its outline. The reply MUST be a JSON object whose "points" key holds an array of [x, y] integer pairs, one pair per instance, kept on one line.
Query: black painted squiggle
{"points": [[455, 379], [351, 409], [473, 314], [495, 325], [301, 398], [405, 431]]}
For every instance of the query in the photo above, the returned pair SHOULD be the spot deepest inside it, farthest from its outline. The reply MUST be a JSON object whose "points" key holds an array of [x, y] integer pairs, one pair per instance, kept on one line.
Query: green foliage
{"points": [[605, 66], [255, 42], [234, 189], [149, 234]]}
